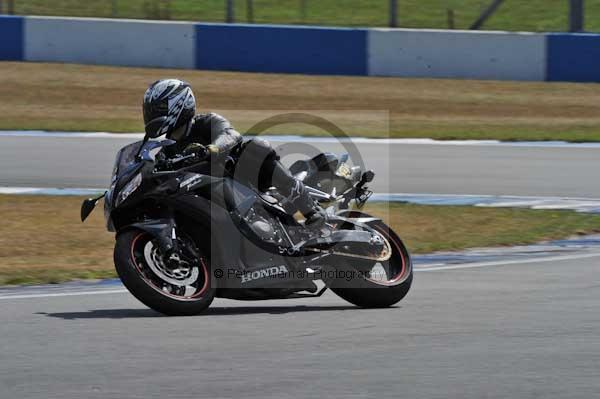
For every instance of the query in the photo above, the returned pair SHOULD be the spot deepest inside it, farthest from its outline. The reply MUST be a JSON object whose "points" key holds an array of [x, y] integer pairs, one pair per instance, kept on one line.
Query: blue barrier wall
{"points": [[286, 49], [306, 50], [573, 57], [11, 38]]}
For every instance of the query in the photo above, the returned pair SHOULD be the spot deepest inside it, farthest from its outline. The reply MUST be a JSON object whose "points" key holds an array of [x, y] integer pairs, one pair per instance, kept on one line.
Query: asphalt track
{"points": [[511, 328], [537, 170], [516, 331]]}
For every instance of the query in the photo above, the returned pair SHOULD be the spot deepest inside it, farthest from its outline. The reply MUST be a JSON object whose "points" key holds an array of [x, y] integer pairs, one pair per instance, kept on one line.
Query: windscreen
{"points": [[125, 157]]}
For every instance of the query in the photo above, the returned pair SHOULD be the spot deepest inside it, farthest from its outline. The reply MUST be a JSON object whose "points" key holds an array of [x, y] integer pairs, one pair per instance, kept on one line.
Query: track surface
{"points": [[518, 331], [515, 330], [414, 168]]}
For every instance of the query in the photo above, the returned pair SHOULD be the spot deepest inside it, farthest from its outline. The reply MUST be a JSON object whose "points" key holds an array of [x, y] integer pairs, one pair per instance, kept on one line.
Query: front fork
{"points": [[164, 230], [165, 233]]}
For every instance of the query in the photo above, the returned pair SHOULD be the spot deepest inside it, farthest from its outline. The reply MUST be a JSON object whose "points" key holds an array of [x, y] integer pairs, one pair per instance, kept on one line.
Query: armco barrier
{"points": [[11, 38], [309, 50]]}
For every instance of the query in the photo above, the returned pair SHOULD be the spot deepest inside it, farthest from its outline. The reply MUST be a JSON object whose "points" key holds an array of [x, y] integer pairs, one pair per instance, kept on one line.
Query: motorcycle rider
{"points": [[170, 109]]}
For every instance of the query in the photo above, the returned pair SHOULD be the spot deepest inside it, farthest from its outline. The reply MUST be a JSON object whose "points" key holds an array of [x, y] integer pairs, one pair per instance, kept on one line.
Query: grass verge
{"points": [[94, 98], [428, 228], [43, 241]]}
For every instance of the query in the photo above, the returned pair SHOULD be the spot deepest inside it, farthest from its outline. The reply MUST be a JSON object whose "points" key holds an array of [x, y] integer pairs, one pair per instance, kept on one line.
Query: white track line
{"points": [[63, 294], [494, 201], [68, 135], [485, 196], [416, 269], [50, 191], [481, 200], [327, 140], [506, 262]]}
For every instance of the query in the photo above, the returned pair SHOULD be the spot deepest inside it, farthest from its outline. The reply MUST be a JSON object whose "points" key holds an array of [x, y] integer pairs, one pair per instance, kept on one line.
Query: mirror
{"points": [[88, 206], [368, 176]]}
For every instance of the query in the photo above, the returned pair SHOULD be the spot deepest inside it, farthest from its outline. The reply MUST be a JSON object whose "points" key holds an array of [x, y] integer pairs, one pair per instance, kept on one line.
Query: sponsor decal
{"points": [[263, 273], [189, 182]]}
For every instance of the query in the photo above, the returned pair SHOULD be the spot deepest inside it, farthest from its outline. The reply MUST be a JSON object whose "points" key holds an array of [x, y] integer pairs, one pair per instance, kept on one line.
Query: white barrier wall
{"points": [[457, 54], [300, 49], [110, 42]]}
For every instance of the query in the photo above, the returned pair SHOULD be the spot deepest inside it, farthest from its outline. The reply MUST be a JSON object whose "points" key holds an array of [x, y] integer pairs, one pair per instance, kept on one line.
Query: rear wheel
{"points": [[179, 290], [378, 284]]}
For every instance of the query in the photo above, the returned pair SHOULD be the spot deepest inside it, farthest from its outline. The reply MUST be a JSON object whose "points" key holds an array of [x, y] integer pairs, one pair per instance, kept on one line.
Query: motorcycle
{"points": [[187, 232]]}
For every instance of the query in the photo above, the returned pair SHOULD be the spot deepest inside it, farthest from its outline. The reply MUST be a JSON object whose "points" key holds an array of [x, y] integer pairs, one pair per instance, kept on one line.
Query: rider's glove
{"points": [[201, 152], [198, 150], [212, 149]]}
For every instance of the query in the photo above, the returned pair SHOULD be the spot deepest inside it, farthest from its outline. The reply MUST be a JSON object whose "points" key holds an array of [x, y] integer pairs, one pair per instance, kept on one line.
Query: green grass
{"points": [[43, 241], [530, 15]]}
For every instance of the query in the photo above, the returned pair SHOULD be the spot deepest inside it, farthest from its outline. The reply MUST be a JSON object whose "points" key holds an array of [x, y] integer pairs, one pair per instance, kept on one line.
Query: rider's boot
{"points": [[296, 193], [316, 218], [300, 198]]}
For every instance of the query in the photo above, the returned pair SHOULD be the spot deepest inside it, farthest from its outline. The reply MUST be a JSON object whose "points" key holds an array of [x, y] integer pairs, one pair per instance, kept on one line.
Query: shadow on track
{"points": [[216, 311]]}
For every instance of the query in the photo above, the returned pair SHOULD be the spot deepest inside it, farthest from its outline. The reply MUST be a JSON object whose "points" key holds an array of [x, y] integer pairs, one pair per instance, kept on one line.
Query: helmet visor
{"points": [[154, 128]]}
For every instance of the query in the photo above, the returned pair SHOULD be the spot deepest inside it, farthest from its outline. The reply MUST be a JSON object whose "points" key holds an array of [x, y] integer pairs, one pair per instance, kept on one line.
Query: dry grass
{"points": [[43, 241], [94, 98], [428, 229]]}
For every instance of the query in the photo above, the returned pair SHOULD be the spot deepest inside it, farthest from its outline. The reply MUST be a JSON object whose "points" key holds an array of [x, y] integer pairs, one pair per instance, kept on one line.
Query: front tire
{"points": [[132, 258]]}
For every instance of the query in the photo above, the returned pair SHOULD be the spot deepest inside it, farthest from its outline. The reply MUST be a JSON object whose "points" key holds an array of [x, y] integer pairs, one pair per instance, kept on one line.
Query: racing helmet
{"points": [[169, 104]]}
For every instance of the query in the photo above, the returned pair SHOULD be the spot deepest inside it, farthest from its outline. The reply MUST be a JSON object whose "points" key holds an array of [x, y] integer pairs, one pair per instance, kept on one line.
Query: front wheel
{"points": [[380, 284], [175, 291]]}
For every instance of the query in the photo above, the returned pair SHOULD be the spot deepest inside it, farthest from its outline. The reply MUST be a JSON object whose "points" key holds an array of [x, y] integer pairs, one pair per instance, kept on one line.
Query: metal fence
{"points": [[531, 15]]}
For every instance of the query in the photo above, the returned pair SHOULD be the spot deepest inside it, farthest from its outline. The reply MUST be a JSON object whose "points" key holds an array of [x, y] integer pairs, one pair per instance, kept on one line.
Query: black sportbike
{"points": [[188, 231]]}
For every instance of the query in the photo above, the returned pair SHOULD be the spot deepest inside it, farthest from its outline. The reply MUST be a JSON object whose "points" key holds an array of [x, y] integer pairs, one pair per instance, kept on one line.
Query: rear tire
{"points": [[369, 293], [379, 297], [146, 291]]}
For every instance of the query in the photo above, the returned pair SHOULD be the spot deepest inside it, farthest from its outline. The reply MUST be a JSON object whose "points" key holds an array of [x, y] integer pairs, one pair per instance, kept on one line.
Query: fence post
{"points": [[11, 7], [303, 7], [488, 12], [164, 9], [576, 16], [229, 13], [450, 18], [393, 13], [250, 11], [1, 6], [114, 8]]}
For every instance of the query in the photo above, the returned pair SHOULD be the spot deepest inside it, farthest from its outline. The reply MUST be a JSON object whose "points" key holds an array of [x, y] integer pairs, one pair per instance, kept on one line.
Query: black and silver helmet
{"points": [[168, 105]]}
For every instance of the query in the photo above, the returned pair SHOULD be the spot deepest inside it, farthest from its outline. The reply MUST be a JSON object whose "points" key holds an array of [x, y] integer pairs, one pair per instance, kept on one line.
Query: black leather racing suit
{"points": [[257, 161]]}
